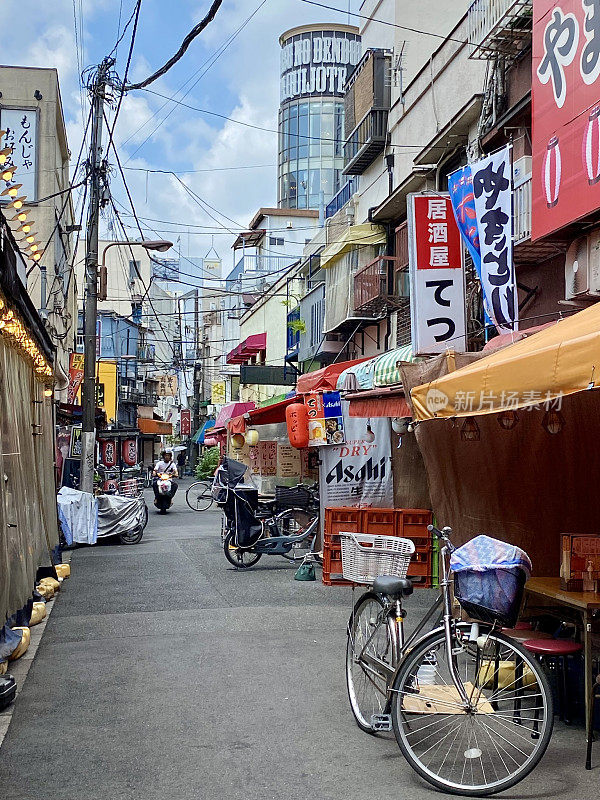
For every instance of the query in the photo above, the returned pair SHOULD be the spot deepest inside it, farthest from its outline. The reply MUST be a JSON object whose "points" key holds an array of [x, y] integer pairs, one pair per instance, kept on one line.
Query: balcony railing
{"points": [[522, 211], [342, 197], [499, 27], [145, 353], [373, 286], [129, 394], [366, 141]]}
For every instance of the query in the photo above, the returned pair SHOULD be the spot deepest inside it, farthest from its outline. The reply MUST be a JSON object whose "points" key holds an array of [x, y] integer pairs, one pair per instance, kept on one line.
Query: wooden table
{"points": [[586, 603]]}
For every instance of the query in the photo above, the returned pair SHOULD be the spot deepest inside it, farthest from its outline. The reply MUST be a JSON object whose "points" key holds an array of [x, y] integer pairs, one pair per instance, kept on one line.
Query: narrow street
{"points": [[164, 673]]}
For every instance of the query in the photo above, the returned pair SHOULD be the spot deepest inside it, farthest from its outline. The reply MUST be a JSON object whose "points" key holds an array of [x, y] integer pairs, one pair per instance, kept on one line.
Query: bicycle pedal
{"points": [[381, 722]]}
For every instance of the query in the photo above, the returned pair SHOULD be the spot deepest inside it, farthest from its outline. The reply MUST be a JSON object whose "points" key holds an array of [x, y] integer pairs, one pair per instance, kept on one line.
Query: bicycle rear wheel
{"points": [[240, 557], [493, 744], [293, 522], [199, 496], [369, 659]]}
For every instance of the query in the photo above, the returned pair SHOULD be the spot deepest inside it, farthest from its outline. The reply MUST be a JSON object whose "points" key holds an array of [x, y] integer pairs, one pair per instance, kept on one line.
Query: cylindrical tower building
{"points": [[315, 61]]}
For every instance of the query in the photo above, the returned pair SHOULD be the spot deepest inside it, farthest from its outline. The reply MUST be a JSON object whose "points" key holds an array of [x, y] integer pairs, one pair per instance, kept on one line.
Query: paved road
{"points": [[164, 673]]}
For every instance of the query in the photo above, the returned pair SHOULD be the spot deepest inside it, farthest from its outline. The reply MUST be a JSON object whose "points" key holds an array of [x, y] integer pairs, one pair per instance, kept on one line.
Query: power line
{"points": [[196, 31], [194, 171], [385, 22], [210, 62]]}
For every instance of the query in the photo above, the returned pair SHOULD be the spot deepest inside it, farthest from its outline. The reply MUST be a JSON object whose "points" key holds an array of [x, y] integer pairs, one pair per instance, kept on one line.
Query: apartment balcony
{"points": [[314, 345], [366, 142], [129, 394], [499, 27], [146, 353], [374, 287], [342, 197]]}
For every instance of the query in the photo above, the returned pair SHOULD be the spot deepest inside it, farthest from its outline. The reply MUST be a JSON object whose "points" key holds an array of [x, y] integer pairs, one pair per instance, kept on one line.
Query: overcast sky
{"points": [[242, 83]]}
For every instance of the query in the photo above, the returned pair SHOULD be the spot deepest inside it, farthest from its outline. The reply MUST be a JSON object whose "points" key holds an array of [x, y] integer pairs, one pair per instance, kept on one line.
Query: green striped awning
{"points": [[386, 366]]}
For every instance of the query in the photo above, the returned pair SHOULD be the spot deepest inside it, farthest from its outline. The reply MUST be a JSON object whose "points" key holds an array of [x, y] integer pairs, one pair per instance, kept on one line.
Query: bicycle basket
{"points": [[292, 497], [489, 579], [365, 556]]}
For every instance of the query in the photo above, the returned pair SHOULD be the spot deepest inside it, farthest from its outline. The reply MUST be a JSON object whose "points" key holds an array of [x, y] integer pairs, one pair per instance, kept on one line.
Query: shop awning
{"points": [[248, 348], [354, 236], [385, 402], [266, 415], [324, 379], [380, 370], [157, 427], [198, 437], [232, 410], [560, 360]]}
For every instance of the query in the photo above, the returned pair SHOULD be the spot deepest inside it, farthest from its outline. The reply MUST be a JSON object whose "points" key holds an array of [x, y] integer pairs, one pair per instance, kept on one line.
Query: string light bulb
{"points": [[17, 203], [21, 216], [24, 228], [11, 191], [4, 154]]}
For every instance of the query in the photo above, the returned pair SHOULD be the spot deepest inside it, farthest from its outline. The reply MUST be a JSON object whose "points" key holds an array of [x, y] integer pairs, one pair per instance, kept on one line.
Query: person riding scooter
{"points": [[166, 466]]}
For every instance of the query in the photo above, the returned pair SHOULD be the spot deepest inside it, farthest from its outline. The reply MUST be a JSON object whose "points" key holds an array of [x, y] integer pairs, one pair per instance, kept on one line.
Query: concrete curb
{"points": [[20, 669]]}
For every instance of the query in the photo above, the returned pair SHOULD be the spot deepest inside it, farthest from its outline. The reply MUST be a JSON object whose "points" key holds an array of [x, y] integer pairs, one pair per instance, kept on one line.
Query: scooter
{"points": [[164, 500]]}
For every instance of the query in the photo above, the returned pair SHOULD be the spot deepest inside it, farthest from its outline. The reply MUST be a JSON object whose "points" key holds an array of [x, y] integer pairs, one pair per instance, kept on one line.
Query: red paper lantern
{"points": [[296, 418], [111, 485], [109, 452], [129, 452]]}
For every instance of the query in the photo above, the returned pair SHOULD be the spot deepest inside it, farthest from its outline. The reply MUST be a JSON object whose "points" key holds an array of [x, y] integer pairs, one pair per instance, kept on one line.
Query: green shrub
{"points": [[207, 463]]}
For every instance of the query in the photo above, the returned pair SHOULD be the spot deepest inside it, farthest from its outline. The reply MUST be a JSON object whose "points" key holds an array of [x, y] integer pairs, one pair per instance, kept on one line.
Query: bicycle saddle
{"points": [[392, 587]]}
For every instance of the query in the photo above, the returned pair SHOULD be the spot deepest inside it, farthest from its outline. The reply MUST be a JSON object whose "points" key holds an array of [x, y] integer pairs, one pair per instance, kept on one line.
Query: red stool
{"points": [[558, 650]]}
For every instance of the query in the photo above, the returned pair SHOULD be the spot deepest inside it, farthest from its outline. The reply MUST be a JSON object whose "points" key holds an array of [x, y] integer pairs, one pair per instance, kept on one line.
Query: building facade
{"points": [[32, 117], [315, 63]]}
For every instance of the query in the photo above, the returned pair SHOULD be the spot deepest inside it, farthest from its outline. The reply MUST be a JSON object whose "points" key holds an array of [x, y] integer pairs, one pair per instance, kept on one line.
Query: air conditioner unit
{"points": [[577, 268], [594, 262], [521, 170]]}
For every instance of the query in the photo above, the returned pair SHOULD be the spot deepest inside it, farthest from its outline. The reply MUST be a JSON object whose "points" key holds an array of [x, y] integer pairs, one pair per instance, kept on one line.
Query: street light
{"points": [[158, 245]]}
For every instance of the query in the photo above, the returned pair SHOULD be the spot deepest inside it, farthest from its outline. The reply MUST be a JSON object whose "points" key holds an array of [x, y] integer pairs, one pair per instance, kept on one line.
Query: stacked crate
{"points": [[408, 523]]}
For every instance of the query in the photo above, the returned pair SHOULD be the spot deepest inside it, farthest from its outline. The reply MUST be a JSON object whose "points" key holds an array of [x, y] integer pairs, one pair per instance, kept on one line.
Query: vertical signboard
{"points": [[75, 376], [217, 393], [566, 113], [185, 422], [437, 303], [20, 125]]}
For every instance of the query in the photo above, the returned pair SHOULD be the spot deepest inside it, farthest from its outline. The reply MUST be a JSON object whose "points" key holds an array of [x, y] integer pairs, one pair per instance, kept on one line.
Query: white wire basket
{"points": [[131, 487], [366, 556]]}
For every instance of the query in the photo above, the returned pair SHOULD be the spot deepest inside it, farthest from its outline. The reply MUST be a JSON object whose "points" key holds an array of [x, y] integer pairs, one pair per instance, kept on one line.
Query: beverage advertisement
{"points": [[325, 418]]}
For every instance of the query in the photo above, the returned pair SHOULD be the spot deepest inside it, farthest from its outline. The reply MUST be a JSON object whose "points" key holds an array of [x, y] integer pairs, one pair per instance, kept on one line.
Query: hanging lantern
{"points": [[470, 431], [553, 422], [400, 425], [369, 435], [129, 452], [111, 485], [551, 172], [252, 437], [508, 420], [296, 418], [237, 441], [590, 147], [109, 452]]}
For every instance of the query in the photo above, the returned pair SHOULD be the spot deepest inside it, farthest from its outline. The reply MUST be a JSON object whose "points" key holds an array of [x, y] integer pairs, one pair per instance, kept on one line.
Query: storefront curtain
{"points": [[28, 526]]}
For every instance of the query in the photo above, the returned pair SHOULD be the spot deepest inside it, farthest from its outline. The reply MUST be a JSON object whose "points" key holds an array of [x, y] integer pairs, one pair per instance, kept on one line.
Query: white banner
{"points": [[21, 134], [492, 190], [358, 472]]}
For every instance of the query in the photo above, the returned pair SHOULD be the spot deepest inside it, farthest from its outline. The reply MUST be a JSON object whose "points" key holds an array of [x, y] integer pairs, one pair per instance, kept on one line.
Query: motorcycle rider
{"points": [[167, 466]]}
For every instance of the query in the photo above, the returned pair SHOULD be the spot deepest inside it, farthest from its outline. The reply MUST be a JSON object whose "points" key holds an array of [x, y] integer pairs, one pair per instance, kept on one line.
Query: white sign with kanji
{"points": [[437, 295], [20, 125]]}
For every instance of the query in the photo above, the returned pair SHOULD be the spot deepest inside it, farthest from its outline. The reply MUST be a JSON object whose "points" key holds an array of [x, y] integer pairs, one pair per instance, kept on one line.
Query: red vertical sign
{"points": [[185, 422], [566, 113], [437, 237]]}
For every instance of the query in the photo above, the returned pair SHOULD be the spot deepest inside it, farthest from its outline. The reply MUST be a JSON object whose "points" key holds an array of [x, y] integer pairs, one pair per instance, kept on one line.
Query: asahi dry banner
{"points": [[359, 471]]}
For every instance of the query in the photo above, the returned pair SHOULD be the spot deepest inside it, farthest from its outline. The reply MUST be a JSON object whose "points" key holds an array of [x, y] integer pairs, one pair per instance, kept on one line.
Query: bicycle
{"points": [[470, 708], [199, 496], [292, 533]]}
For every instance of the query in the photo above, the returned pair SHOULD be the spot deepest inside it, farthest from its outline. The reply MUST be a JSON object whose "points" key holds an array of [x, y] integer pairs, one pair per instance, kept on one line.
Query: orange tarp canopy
{"points": [[324, 379], [540, 369]]}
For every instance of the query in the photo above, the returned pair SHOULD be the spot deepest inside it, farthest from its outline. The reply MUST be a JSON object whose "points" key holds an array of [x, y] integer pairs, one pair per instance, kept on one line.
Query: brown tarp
{"points": [[28, 524], [525, 486]]}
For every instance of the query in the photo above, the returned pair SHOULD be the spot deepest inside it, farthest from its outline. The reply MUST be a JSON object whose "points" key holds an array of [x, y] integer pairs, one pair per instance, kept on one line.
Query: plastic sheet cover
{"points": [[28, 525], [78, 514]]}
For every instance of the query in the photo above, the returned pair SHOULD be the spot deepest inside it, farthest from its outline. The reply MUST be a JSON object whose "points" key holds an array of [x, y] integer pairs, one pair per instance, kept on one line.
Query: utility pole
{"points": [[88, 391], [197, 384]]}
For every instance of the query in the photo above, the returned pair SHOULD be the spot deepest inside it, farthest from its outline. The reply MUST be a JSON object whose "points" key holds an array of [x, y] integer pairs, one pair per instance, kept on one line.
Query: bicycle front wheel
{"points": [[370, 659], [239, 557], [496, 740], [199, 496]]}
